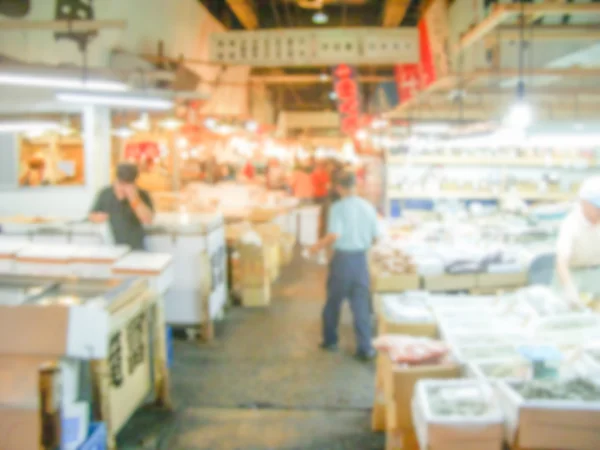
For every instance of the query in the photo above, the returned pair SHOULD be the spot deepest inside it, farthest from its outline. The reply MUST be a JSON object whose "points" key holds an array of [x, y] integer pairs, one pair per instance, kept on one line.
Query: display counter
{"points": [[115, 325], [199, 291]]}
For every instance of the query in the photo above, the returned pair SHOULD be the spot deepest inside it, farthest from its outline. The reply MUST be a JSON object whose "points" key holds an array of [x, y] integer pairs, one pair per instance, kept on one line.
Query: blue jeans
{"points": [[348, 279]]}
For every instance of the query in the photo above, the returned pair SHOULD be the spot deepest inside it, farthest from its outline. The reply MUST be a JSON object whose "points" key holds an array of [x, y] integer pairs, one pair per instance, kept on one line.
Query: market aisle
{"points": [[264, 384]]}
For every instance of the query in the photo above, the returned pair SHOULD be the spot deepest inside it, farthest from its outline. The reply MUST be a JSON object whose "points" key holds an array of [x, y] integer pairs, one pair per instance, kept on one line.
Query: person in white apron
{"points": [[578, 247]]}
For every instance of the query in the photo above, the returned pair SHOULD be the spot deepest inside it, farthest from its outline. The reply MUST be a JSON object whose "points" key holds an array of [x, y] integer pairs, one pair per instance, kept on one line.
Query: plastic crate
{"points": [[96, 439]]}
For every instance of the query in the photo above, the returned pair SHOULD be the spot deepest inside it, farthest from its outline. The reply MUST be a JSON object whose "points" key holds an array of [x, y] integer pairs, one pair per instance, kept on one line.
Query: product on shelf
{"points": [[457, 401], [392, 260], [411, 350], [578, 389]]}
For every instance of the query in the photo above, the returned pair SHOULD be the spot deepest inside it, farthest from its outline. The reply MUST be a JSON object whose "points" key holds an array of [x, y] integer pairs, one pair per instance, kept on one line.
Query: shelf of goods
{"points": [[199, 291], [42, 230], [94, 349], [441, 257], [490, 176], [528, 366]]}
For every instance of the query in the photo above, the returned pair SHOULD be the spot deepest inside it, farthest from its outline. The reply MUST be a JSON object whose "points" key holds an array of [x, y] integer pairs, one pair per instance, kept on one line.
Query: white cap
{"points": [[590, 191]]}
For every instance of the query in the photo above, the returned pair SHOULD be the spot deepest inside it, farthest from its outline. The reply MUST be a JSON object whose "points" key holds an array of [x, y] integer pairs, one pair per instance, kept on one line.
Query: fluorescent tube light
{"points": [[20, 126], [61, 82], [124, 100]]}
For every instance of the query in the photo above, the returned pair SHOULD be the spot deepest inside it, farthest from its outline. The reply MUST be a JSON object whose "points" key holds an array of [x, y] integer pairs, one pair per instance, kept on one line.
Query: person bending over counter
{"points": [[126, 207], [578, 246]]}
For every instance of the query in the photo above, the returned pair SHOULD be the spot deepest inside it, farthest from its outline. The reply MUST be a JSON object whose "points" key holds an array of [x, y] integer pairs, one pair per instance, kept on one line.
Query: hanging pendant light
{"points": [[520, 114], [320, 18]]}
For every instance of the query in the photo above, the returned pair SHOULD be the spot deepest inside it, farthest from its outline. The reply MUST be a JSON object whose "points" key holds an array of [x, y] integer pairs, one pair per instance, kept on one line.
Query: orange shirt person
{"points": [[321, 181]]}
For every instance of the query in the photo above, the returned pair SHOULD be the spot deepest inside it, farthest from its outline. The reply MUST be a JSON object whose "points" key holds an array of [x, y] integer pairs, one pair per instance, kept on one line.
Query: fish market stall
{"points": [[131, 364], [199, 291]]}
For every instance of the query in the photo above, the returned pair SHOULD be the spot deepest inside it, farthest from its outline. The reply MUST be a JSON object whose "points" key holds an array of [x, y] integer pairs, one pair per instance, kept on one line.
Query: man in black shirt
{"points": [[126, 207]]}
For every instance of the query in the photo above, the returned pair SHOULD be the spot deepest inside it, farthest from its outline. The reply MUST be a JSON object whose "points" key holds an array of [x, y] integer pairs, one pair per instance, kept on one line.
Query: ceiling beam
{"points": [[394, 12], [501, 13], [553, 9], [61, 25], [551, 32], [245, 12], [313, 79]]}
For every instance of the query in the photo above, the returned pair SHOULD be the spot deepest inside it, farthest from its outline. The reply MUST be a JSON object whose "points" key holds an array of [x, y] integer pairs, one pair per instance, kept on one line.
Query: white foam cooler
{"points": [[97, 261], [197, 244], [156, 267], [45, 260], [8, 253], [309, 225]]}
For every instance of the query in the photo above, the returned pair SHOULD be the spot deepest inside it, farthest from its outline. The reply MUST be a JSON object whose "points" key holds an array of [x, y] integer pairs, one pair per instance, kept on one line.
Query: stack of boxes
{"points": [[42, 350], [256, 272]]}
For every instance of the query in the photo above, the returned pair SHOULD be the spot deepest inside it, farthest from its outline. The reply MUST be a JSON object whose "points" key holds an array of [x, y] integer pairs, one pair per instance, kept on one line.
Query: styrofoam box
{"points": [[45, 260], [156, 267], [522, 369], [199, 263], [93, 234], [8, 251], [436, 432], [57, 235], [309, 225], [97, 261], [549, 424]]}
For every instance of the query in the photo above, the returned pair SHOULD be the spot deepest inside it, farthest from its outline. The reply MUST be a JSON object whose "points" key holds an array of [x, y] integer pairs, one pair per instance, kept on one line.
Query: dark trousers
{"points": [[348, 279]]}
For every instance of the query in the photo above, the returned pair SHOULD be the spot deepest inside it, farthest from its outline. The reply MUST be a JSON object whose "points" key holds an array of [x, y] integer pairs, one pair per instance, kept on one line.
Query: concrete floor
{"points": [[264, 384]]}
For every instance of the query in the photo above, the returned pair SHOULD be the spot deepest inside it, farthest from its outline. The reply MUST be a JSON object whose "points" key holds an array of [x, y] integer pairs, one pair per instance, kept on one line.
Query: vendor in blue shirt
{"points": [[352, 230]]}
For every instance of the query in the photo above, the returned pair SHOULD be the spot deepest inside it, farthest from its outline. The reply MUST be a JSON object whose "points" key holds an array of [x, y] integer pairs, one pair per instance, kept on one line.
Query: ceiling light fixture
{"points": [[362, 135], [30, 80], [320, 18], [252, 126], [123, 132], [21, 126], [520, 115], [210, 123], [143, 123], [123, 100], [171, 123]]}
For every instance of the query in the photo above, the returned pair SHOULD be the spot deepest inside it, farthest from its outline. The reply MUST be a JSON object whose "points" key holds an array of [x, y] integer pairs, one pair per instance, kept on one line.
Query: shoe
{"points": [[329, 347], [365, 357]]}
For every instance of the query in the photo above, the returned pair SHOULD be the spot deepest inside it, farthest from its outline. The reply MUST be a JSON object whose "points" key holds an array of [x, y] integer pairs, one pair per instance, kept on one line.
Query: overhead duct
{"points": [[142, 73]]}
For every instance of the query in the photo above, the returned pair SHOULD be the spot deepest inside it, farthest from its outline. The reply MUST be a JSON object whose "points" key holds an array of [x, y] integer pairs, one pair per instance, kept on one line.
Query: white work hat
{"points": [[590, 191]]}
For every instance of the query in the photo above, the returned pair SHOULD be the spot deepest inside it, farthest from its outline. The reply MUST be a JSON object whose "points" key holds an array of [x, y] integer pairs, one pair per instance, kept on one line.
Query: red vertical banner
{"points": [[408, 80], [428, 72], [347, 90], [434, 38]]}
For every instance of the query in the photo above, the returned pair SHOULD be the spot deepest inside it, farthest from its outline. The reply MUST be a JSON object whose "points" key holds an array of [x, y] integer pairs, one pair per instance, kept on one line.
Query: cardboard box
{"points": [[549, 424], [399, 382], [79, 332], [441, 283], [254, 264], [439, 432], [256, 296], [395, 283], [401, 440], [426, 329], [29, 403], [273, 264], [287, 246], [501, 280]]}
